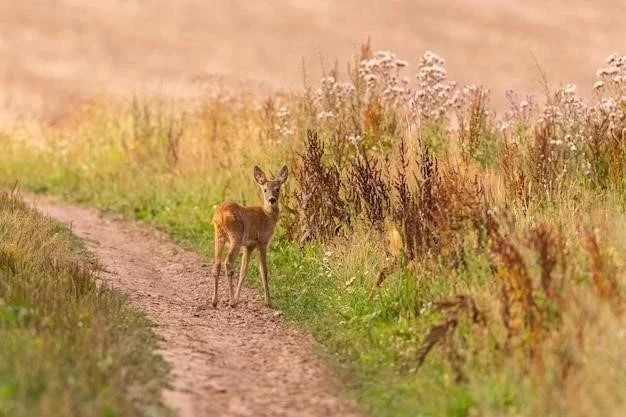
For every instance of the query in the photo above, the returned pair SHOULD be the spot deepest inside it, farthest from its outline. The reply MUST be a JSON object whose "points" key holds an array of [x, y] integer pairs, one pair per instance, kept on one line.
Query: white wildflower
{"points": [[570, 89], [282, 113], [355, 139], [325, 115], [503, 126], [370, 78]]}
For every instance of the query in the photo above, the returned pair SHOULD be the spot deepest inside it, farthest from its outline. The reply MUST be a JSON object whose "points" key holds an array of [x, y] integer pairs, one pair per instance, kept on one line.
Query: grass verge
{"points": [[69, 346]]}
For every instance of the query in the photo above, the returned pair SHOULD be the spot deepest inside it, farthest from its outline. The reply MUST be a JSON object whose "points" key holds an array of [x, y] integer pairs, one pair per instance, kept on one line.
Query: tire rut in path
{"points": [[226, 362]]}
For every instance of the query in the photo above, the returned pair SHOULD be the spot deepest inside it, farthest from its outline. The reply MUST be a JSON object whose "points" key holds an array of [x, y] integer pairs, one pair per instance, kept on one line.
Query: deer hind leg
{"points": [[220, 241], [233, 251], [263, 266], [245, 261]]}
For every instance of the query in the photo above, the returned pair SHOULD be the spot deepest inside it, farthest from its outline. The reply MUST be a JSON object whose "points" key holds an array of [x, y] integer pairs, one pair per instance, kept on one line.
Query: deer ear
{"points": [[259, 175], [282, 176]]}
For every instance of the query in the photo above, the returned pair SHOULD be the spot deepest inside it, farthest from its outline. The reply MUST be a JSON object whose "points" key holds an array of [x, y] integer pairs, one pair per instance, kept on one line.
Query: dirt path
{"points": [[226, 362]]}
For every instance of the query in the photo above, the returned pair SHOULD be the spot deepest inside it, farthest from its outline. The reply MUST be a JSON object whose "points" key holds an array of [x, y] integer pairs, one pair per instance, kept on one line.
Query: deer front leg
{"points": [[263, 266], [217, 265], [233, 251], [245, 260]]}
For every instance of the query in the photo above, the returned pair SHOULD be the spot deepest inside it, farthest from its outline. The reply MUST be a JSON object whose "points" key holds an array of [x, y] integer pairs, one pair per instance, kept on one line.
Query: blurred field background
{"points": [[56, 53]]}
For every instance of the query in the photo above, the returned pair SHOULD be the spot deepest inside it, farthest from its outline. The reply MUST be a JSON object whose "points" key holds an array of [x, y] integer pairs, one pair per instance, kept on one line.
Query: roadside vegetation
{"points": [[453, 261], [69, 346]]}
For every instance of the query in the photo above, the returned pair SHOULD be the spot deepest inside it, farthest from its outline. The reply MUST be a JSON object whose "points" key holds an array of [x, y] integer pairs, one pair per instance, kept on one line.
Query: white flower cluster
{"points": [[434, 96], [333, 95], [381, 74], [520, 112], [614, 75], [378, 82], [284, 124]]}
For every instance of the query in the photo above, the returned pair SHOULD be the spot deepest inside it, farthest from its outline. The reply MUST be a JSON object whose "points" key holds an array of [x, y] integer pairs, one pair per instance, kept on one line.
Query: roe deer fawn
{"points": [[250, 227]]}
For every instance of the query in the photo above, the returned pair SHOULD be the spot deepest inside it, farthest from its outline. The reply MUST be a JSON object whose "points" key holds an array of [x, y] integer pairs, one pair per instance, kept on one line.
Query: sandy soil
{"points": [[54, 53], [226, 362]]}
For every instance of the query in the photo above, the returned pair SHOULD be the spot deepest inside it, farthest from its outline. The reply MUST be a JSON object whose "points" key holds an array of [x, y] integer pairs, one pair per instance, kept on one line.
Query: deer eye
{"points": [[264, 190]]}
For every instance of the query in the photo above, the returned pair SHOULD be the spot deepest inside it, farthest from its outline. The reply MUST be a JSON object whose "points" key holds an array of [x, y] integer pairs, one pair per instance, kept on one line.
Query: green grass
{"points": [[68, 345], [365, 339], [373, 343]]}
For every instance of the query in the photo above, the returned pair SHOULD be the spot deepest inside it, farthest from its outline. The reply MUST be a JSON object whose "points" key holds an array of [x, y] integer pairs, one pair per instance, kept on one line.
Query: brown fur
{"points": [[248, 227]]}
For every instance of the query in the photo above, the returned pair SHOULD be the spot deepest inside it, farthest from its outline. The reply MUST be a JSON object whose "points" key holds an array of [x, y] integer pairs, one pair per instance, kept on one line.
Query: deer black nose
{"points": [[272, 200]]}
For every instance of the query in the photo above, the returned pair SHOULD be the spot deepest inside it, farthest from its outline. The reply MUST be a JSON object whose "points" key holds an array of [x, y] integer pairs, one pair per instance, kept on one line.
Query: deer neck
{"points": [[271, 212]]}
